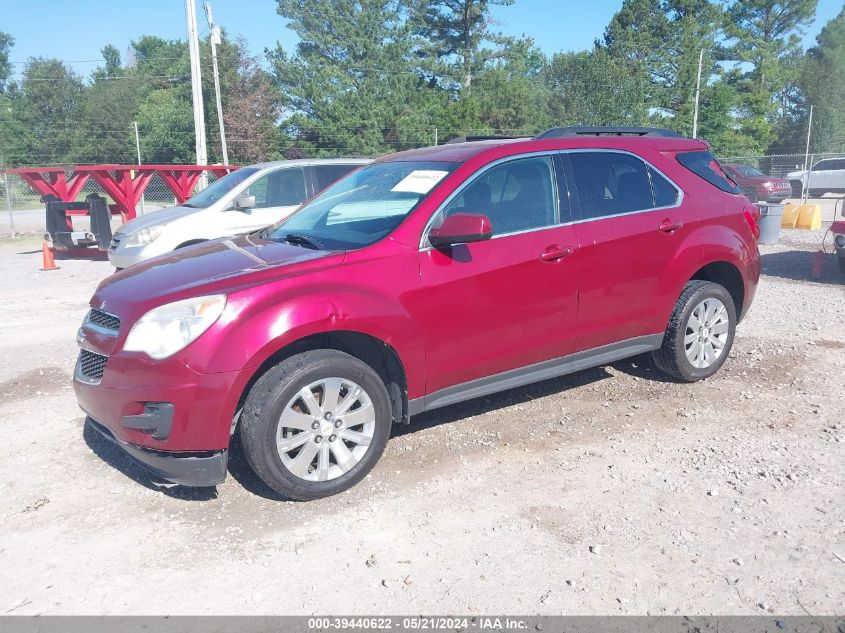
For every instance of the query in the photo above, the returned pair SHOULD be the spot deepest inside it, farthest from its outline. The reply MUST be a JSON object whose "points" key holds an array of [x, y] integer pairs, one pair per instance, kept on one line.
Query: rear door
{"points": [[632, 223], [492, 306]]}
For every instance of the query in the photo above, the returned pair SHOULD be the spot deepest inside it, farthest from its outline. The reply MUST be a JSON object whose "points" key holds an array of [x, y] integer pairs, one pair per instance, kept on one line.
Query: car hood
{"points": [[156, 218], [208, 268]]}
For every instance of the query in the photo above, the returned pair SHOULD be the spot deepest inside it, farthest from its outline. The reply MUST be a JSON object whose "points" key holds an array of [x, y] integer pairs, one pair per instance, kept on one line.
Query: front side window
{"points": [[823, 165], [219, 188], [518, 195], [364, 206], [280, 188], [610, 183]]}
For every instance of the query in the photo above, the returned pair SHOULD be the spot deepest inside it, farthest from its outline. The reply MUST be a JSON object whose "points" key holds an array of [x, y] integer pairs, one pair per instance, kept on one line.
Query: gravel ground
{"points": [[607, 492]]}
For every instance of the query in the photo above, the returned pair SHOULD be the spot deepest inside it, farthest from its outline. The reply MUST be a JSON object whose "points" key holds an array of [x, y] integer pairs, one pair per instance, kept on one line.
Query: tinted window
{"points": [[328, 174], [517, 196], [665, 194], [705, 165], [744, 170], [282, 188], [610, 183], [824, 165]]}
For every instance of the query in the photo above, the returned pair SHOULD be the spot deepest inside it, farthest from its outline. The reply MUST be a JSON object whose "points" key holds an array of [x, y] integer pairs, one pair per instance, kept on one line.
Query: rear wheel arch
{"points": [[726, 275], [379, 355]]}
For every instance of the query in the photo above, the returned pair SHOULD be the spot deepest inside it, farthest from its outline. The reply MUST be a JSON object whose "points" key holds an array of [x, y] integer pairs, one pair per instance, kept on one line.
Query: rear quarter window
{"points": [[704, 165]]}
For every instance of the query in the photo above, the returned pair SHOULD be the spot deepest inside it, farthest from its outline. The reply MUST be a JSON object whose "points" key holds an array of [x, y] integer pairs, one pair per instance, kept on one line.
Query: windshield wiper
{"points": [[304, 240]]}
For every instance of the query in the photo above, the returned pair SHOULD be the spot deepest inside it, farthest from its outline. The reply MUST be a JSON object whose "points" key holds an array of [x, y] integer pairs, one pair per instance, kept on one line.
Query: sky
{"points": [[76, 30]]}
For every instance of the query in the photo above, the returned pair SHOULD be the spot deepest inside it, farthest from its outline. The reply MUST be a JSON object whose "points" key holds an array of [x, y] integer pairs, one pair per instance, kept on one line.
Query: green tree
{"points": [[456, 35], [47, 106], [764, 38], [663, 40], [823, 85], [167, 128], [596, 88], [353, 85], [6, 43]]}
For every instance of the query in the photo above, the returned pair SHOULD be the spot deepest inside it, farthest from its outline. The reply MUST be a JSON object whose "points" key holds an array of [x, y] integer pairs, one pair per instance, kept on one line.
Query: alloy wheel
{"points": [[325, 429]]}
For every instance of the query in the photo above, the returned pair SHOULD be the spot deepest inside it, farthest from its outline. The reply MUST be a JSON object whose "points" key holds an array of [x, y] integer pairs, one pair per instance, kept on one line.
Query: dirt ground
{"points": [[607, 492]]}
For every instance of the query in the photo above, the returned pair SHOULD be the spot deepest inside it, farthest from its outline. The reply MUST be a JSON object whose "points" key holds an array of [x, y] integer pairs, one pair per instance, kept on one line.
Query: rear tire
{"points": [[283, 435], [700, 333]]}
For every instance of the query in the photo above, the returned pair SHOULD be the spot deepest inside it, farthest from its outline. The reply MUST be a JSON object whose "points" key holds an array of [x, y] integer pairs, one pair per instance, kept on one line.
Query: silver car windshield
{"points": [[219, 188]]}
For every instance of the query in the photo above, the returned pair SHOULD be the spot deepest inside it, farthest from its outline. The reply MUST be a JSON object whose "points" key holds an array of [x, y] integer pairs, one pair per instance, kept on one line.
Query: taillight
{"points": [[752, 215]]}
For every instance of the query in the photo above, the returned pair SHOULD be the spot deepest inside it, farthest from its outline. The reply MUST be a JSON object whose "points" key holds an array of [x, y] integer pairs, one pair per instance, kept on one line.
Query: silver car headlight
{"points": [[145, 236], [165, 330]]}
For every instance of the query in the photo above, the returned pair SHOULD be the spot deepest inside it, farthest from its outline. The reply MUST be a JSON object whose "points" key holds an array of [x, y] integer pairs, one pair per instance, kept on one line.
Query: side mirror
{"points": [[461, 228], [244, 202]]}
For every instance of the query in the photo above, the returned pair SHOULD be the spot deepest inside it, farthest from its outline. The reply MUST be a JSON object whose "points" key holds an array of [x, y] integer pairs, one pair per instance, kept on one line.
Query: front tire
{"points": [[700, 333], [315, 424]]}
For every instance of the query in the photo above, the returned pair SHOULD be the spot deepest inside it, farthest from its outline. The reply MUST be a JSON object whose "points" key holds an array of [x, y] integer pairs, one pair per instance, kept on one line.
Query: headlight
{"points": [[165, 330], [145, 236]]}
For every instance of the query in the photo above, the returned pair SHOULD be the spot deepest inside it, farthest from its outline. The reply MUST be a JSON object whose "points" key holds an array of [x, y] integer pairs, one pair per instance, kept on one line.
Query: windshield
{"points": [[219, 188], [746, 170], [364, 206]]}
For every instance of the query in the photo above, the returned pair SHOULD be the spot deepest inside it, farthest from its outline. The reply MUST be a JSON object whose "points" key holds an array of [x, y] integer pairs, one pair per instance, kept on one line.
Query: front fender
{"points": [[363, 297]]}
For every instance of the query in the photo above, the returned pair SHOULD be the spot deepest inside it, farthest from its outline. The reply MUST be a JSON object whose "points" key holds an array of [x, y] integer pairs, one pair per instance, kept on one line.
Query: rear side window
{"points": [[610, 183], [328, 174], [665, 194], [704, 165]]}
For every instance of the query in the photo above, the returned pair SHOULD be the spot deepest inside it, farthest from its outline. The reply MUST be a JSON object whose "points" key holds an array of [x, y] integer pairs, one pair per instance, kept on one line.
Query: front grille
{"points": [[103, 319], [784, 185], [91, 365]]}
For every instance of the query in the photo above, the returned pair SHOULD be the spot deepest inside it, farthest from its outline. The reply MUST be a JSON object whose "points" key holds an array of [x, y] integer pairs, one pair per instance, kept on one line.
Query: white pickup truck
{"points": [[826, 176]]}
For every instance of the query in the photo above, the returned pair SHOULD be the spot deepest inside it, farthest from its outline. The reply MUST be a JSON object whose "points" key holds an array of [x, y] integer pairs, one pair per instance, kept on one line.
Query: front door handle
{"points": [[669, 226], [554, 253]]}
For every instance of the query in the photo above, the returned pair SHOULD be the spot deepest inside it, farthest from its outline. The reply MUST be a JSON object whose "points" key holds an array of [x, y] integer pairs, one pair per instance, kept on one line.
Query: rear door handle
{"points": [[555, 253], [669, 226]]}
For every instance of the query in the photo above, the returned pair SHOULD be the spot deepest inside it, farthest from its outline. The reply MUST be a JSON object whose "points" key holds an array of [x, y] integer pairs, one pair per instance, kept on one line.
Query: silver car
{"points": [[246, 200]]}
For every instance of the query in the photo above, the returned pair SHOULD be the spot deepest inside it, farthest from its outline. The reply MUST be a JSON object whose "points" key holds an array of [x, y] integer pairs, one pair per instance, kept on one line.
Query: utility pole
{"points": [[9, 203], [138, 150], [215, 40], [697, 95], [805, 187], [196, 88]]}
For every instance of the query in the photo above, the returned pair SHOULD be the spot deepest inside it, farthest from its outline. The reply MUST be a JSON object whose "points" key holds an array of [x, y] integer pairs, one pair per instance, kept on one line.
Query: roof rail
{"points": [[607, 130], [469, 139]]}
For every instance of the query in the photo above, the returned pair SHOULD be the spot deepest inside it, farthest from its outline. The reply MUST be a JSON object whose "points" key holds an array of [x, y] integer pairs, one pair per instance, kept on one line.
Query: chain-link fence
{"points": [[778, 165], [22, 210]]}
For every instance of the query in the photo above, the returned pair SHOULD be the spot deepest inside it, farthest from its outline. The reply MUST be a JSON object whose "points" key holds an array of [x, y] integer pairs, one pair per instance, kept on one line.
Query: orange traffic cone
{"points": [[47, 257]]}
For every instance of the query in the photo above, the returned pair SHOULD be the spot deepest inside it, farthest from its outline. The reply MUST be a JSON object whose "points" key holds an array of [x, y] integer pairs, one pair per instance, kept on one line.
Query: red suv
{"points": [[758, 186], [424, 279]]}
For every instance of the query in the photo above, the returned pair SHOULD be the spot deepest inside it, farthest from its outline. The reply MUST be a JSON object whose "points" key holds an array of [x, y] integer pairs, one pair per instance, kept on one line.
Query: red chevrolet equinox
{"points": [[426, 278]]}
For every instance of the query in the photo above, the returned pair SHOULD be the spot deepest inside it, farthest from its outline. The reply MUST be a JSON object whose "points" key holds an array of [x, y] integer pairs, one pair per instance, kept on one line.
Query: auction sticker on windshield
{"points": [[420, 181]]}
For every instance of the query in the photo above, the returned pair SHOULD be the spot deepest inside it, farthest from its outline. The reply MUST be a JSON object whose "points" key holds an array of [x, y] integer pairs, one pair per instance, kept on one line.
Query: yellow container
{"points": [[790, 215], [809, 217]]}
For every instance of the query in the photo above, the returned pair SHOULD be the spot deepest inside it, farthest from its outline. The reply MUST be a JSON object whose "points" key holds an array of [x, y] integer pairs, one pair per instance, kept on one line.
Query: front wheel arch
{"points": [[379, 355]]}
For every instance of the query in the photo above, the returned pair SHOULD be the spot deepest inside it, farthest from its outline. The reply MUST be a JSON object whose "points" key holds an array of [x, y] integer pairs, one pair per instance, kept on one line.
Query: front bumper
{"points": [[778, 195], [187, 469]]}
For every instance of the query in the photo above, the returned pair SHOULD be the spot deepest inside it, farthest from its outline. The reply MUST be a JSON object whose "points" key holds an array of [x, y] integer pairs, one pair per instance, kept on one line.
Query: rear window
{"points": [[705, 165]]}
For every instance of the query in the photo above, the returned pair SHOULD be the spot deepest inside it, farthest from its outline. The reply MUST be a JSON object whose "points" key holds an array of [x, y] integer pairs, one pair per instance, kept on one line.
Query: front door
{"points": [[277, 195], [492, 306]]}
